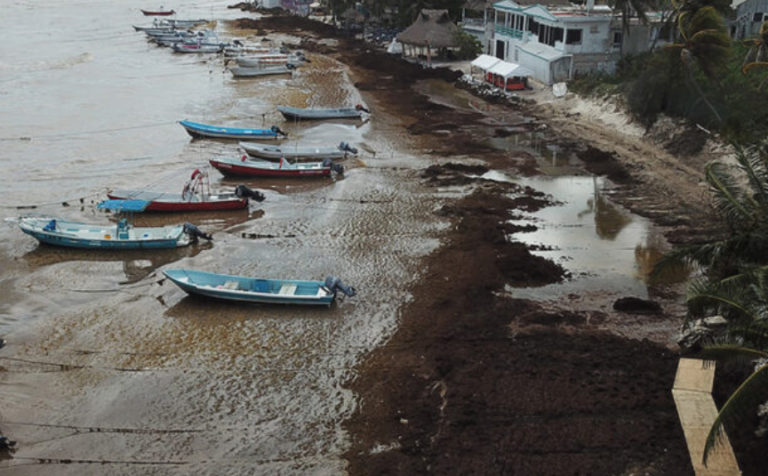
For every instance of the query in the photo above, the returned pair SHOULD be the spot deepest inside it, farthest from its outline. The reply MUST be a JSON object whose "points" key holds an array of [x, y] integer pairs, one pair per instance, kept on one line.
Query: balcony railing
{"points": [[507, 31]]}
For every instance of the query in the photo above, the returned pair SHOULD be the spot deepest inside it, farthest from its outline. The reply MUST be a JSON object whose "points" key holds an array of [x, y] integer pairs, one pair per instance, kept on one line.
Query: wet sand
{"points": [[474, 381], [442, 370]]}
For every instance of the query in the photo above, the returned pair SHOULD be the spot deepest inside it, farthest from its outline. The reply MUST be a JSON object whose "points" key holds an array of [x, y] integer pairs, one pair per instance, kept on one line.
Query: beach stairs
{"points": [[697, 411]]}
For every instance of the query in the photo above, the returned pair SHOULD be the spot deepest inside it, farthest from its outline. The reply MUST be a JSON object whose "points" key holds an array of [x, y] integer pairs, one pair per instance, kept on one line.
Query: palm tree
{"points": [[744, 299], [627, 7], [703, 43], [734, 278], [757, 55], [741, 198]]}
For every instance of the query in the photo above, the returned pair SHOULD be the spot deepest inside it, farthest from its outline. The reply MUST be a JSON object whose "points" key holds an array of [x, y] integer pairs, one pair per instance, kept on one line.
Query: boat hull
{"points": [[268, 169], [252, 290], [295, 113], [276, 152], [171, 205], [247, 72], [70, 235], [197, 130], [163, 13]]}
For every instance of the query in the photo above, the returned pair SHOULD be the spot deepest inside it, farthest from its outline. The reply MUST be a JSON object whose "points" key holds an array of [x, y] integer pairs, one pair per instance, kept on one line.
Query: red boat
{"points": [[157, 13], [263, 168], [196, 196]]}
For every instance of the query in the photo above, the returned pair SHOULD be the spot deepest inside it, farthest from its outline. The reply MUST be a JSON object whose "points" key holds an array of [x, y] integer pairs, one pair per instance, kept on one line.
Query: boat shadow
{"points": [[195, 307], [137, 264]]}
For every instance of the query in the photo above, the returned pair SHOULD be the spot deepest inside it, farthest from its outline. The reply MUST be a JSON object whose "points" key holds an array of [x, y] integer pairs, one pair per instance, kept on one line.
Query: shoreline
{"points": [[446, 394]]}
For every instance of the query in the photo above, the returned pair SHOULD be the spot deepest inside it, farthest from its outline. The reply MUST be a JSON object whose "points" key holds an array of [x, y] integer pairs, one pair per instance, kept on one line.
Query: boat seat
{"points": [[287, 289], [231, 285]]}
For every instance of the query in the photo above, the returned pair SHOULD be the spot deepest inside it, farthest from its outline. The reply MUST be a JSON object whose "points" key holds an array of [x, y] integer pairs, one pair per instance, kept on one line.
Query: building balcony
{"points": [[508, 31]]}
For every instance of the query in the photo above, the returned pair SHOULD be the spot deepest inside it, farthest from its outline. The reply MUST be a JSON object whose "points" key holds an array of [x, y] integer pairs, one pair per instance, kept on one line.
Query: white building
{"points": [[750, 14], [560, 40]]}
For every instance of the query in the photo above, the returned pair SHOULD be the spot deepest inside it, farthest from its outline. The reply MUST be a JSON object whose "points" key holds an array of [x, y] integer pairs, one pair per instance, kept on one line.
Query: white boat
{"points": [[269, 59], [123, 235], [183, 47], [239, 49], [277, 152]]}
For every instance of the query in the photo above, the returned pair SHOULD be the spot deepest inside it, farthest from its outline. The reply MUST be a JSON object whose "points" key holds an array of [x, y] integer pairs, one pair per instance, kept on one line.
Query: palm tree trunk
{"points": [[692, 80]]}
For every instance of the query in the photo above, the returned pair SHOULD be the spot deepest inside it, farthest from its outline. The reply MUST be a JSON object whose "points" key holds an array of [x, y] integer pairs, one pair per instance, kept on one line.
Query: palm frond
{"points": [[751, 393], [728, 194]]}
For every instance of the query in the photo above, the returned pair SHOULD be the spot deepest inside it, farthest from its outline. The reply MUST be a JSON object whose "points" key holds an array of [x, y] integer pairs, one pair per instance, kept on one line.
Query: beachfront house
{"points": [[474, 18], [559, 40], [750, 14]]}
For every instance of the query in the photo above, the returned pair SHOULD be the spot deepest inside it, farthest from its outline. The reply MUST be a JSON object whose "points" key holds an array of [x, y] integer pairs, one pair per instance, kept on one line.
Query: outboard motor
{"points": [[195, 233], [338, 168], [277, 130], [244, 192], [334, 284], [290, 66], [360, 107], [345, 147]]}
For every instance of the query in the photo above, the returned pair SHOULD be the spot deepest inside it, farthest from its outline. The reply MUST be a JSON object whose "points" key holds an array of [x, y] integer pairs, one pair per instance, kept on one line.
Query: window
{"points": [[533, 26], [558, 35], [758, 17], [573, 37], [616, 38]]}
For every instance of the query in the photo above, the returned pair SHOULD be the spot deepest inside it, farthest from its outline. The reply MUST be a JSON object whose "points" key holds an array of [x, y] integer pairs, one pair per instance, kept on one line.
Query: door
{"points": [[500, 49]]}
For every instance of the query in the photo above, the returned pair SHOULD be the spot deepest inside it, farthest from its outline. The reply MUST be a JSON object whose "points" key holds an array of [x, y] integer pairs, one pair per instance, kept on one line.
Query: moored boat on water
{"points": [[197, 130], [195, 196], [258, 290], [263, 168], [270, 59], [199, 48], [123, 235], [161, 12], [277, 152], [322, 113]]}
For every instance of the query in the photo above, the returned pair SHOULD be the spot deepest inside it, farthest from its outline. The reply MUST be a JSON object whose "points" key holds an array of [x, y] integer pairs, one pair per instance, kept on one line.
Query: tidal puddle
{"points": [[607, 250]]}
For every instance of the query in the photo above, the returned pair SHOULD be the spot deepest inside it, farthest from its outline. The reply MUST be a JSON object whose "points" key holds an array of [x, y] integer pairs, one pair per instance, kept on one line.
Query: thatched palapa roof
{"points": [[432, 28]]}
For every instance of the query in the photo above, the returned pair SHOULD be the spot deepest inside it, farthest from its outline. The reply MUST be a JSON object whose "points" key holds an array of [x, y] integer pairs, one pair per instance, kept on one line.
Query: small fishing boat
{"points": [[199, 48], [243, 72], [258, 290], [237, 48], [197, 130], [322, 113], [195, 196], [277, 152], [269, 59], [154, 28], [284, 168], [186, 23], [123, 235], [158, 13]]}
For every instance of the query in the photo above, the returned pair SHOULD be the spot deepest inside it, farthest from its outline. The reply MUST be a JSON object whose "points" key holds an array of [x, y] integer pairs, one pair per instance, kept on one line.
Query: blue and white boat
{"points": [[269, 291], [196, 130], [123, 235]]}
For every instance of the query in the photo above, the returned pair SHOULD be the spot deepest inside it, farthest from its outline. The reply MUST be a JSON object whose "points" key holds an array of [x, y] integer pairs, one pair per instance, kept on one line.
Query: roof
{"points": [[485, 62], [520, 4], [542, 51], [475, 5], [432, 28], [124, 205], [507, 70]]}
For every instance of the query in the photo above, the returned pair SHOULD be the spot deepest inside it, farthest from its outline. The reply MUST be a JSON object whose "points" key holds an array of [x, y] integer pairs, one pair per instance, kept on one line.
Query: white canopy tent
{"points": [[484, 62], [504, 71]]}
